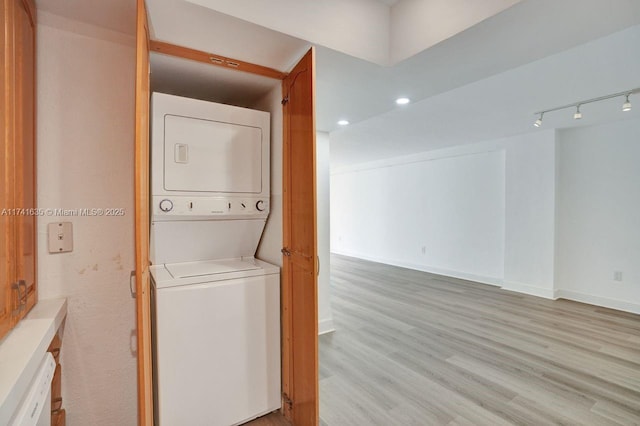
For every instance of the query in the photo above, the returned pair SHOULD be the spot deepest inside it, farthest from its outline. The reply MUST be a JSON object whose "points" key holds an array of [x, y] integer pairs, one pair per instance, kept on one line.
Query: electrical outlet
{"points": [[617, 276]]}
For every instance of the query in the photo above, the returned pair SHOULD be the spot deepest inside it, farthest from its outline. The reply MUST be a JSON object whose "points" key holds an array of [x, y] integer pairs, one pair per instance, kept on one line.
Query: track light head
{"points": [[578, 114], [538, 122], [627, 105]]}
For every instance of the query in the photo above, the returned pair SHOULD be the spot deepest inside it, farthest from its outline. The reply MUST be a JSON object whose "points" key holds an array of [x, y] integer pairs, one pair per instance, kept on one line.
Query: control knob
{"points": [[260, 205], [166, 205]]}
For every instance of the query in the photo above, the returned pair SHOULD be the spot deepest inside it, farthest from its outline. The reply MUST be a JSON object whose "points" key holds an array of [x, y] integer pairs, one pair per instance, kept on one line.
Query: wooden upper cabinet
{"points": [[6, 187], [18, 289], [25, 150]]}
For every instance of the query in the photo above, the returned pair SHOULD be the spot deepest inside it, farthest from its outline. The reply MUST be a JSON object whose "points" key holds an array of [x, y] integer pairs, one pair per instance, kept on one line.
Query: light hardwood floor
{"points": [[413, 348]]}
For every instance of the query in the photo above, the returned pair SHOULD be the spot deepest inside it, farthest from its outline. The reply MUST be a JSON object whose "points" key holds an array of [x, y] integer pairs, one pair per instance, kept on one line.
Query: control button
{"points": [[166, 205], [243, 206], [260, 206]]}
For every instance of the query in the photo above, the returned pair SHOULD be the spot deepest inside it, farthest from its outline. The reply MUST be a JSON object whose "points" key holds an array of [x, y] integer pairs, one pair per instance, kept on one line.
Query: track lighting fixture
{"points": [[627, 105], [538, 122], [578, 115]]}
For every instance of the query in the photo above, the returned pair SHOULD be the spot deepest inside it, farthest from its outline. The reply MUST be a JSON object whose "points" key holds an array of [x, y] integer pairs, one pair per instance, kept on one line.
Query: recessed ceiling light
{"points": [[403, 101], [343, 122]]}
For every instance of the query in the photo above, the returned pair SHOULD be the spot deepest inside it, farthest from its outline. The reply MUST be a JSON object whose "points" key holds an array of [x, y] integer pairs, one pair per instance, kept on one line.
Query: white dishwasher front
{"points": [[35, 408]]}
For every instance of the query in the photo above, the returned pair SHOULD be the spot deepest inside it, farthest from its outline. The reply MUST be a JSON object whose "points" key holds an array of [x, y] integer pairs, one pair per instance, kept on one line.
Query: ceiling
{"points": [[503, 104], [366, 29], [482, 82], [503, 42]]}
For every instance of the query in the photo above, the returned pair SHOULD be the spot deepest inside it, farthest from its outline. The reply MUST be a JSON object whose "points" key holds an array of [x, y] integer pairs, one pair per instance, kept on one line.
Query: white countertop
{"points": [[22, 350]]}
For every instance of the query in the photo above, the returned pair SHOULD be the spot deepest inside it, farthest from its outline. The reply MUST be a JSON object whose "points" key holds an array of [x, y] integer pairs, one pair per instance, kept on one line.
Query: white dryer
{"points": [[216, 309]]}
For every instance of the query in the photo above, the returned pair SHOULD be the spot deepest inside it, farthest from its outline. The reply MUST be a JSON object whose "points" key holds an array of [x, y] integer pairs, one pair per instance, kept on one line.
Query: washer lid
{"points": [[210, 267]]}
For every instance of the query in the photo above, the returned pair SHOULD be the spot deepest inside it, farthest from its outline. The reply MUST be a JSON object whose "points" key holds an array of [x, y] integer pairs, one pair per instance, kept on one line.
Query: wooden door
{"points": [[141, 161], [299, 291], [24, 151]]}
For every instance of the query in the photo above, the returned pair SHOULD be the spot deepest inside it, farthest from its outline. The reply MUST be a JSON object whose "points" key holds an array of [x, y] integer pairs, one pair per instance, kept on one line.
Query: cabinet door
{"points": [[7, 182], [25, 177], [300, 282], [17, 176]]}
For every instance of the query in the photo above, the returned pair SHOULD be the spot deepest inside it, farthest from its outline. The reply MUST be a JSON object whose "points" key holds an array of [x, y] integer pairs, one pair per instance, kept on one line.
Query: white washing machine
{"points": [[217, 337], [216, 308]]}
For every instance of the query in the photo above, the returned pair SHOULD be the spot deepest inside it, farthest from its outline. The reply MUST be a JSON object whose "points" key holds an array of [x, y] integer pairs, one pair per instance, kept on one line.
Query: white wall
{"points": [[443, 214], [530, 218], [571, 203], [325, 317], [271, 242], [598, 189], [483, 211], [85, 159]]}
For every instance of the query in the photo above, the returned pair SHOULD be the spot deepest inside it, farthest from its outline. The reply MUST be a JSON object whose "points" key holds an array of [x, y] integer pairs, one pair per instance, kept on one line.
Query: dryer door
{"points": [[211, 156]]}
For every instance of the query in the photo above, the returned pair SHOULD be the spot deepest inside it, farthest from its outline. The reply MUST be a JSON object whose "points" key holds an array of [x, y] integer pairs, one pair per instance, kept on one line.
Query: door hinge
{"points": [[285, 251], [287, 400], [285, 100]]}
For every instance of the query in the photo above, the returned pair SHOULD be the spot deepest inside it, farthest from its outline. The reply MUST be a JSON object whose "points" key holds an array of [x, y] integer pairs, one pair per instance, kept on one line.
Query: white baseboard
{"points": [[425, 268], [325, 326], [620, 305], [547, 293]]}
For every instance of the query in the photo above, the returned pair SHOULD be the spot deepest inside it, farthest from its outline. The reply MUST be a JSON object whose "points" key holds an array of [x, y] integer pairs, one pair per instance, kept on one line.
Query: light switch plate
{"points": [[60, 237]]}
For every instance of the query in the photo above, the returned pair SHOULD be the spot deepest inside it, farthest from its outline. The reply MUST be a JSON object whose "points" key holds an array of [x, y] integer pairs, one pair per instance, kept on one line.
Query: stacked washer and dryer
{"points": [[216, 308]]}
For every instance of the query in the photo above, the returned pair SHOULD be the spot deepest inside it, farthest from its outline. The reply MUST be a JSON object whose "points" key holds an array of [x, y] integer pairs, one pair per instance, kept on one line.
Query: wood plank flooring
{"points": [[272, 419], [413, 348]]}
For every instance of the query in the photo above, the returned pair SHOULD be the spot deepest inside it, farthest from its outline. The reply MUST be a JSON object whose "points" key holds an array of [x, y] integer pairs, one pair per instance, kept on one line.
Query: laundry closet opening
{"points": [[215, 240], [231, 200]]}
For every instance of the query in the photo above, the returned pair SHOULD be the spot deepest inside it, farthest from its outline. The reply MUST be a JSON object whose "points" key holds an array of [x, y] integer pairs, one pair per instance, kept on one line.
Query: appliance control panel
{"points": [[185, 208]]}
